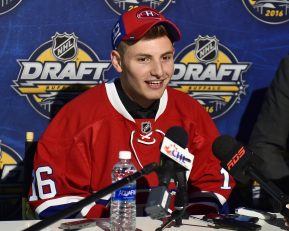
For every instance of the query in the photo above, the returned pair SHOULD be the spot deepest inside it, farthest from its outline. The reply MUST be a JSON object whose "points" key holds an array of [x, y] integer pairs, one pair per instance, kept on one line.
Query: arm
{"points": [[209, 184], [62, 169], [270, 134]]}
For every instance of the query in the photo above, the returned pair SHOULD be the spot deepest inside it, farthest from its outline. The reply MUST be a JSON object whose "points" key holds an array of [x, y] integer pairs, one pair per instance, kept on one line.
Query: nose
{"points": [[157, 69]]}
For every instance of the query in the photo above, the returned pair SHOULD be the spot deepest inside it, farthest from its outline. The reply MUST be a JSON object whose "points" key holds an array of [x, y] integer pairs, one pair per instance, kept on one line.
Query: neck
{"points": [[136, 110], [142, 103]]}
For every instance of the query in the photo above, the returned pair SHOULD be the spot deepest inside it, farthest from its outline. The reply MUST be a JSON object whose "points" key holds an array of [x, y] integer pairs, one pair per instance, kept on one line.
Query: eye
{"points": [[143, 59], [167, 57]]}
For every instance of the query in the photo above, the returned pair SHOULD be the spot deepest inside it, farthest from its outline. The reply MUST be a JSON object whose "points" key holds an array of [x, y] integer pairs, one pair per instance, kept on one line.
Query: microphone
{"points": [[243, 165], [234, 157], [175, 160]]}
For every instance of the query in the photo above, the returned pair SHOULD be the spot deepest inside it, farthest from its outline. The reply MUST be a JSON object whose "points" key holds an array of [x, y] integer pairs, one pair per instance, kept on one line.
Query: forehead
{"points": [[155, 46]]}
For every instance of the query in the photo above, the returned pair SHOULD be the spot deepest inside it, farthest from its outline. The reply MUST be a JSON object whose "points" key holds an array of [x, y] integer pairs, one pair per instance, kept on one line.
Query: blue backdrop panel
{"points": [[235, 46]]}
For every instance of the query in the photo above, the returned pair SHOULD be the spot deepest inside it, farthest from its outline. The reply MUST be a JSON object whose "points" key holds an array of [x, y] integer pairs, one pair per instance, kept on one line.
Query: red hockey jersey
{"points": [[76, 153]]}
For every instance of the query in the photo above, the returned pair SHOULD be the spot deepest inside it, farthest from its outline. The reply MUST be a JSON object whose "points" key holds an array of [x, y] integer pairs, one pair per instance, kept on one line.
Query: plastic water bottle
{"points": [[123, 206]]}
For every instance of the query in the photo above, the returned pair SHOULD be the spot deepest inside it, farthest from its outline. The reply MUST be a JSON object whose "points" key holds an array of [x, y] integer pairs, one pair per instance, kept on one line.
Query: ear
{"points": [[116, 60]]}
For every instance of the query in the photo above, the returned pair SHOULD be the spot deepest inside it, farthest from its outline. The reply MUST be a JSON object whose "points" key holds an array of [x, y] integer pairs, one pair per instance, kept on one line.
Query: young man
{"points": [[76, 153]]}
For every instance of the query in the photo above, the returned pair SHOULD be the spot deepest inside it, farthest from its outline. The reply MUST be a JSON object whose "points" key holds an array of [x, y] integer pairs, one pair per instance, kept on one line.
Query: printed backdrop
{"points": [[52, 50]]}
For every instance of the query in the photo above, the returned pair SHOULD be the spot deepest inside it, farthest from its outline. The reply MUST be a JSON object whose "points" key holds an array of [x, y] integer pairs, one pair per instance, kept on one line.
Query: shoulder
{"points": [[280, 83], [285, 61], [89, 107], [183, 99], [91, 95], [283, 68], [184, 106], [88, 100]]}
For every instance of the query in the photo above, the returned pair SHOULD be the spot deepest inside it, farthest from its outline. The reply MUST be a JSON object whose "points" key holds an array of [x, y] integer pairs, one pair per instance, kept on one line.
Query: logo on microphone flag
{"points": [[178, 154]]}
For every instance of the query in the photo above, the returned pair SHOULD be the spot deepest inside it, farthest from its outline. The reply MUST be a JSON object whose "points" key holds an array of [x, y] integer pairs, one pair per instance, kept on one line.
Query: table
{"points": [[143, 224]]}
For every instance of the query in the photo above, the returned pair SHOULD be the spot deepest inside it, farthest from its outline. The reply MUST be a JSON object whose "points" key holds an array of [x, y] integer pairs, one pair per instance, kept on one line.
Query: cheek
{"points": [[137, 71], [134, 76], [169, 69]]}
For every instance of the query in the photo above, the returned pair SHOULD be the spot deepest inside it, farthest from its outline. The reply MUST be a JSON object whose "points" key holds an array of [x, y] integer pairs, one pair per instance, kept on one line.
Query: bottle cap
{"points": [[125, 155], [29, 136]]}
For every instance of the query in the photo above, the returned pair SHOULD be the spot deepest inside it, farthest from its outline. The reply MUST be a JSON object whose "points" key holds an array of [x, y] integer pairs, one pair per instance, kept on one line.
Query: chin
{"points": [[155, 97]]}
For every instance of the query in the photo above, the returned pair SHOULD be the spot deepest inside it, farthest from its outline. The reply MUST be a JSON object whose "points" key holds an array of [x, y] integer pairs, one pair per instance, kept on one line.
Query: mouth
{"points": [[155, 83]]}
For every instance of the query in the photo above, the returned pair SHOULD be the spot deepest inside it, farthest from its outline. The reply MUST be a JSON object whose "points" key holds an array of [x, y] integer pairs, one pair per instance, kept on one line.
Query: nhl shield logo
{"points": [[206, 48], [64, 46], [146, 127]]}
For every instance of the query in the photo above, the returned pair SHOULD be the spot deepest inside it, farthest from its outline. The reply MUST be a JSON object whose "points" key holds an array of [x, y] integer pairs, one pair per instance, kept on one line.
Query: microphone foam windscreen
{"points": [[222, 147], [178, 135], [233, 155]]}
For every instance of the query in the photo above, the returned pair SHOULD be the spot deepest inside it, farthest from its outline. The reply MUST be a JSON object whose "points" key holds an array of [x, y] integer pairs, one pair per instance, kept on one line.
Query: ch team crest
{"points": [[209, 72], [269, 11], [8, 5], [57, 71], [121, 6]]}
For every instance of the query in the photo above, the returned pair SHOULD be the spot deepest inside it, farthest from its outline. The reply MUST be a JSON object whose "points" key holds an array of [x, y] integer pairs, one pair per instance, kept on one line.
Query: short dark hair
{"points": [[155, 32]]}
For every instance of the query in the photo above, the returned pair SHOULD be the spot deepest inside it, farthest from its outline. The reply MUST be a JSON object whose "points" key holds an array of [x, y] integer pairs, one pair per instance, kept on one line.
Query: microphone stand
{"points": [[93, 197], [177, 216], [180, 202]]}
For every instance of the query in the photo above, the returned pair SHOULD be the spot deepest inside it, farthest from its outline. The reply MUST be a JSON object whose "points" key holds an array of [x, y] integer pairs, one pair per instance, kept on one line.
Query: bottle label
{"points": [[125, 194]]}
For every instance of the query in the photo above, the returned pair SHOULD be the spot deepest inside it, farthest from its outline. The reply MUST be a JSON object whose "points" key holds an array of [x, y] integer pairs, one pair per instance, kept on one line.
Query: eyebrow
{"points": [[149, 55]]}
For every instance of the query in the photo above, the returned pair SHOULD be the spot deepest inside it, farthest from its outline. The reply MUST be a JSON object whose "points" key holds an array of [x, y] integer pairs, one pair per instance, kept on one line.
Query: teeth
{"points": [[155, 82]]}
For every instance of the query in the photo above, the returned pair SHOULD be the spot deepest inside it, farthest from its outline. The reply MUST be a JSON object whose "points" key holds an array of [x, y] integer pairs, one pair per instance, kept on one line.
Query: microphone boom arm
{"points": [[281, 198], [93, 197]]}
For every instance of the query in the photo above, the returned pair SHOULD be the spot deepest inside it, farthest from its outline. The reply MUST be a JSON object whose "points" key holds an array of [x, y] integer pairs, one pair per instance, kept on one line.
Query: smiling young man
{"points": [[146, 67], [76, 153]]}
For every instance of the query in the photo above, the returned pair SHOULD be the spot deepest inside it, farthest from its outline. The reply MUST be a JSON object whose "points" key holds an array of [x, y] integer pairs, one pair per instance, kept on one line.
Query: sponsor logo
{"points": [[177, 153], [209, 72], [268, 11], [240, 153], [121, 6], [172, 150], [57, 71], [8, 5], [9, 159], [126, 193]]}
